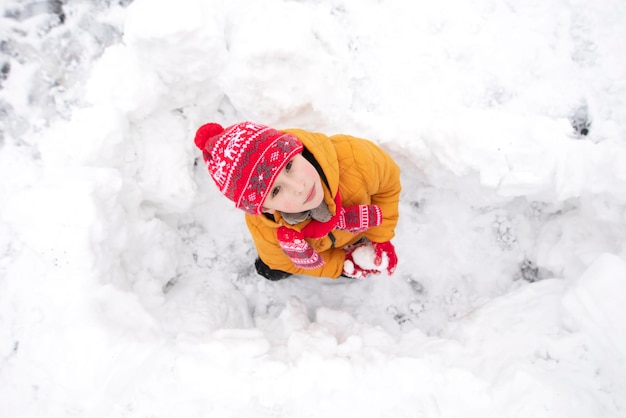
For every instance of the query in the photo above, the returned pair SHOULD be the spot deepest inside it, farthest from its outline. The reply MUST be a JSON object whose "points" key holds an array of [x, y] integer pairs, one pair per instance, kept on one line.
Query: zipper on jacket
{"points": [[332, 240]]}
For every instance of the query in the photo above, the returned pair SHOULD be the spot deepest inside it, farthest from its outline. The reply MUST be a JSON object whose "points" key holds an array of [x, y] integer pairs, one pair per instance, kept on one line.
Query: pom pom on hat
{"points": [[244, 160], [206, 132]]}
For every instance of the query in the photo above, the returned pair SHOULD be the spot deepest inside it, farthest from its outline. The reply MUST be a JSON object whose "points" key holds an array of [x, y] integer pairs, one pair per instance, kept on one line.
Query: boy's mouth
{"points": [[310, 196]]}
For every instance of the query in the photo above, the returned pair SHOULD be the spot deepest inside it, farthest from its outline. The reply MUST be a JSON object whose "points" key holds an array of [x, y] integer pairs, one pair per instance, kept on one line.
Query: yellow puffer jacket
{"points": [[364, 174]]}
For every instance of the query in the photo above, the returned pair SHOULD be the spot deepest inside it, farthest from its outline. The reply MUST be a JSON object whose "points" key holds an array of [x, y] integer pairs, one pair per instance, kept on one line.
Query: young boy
{"points": [[310, 200]]}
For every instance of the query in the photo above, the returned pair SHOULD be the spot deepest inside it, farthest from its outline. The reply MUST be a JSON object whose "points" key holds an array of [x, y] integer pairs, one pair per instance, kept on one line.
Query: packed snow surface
{"points": [[127, 286]]}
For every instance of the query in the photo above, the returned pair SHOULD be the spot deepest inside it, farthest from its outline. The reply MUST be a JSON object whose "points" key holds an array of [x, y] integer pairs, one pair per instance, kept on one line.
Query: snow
{"points": [[126, 280], [364, 256]]}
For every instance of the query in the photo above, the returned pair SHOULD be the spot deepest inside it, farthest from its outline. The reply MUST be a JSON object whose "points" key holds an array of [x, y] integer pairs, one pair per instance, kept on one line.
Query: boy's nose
{"points": [[297, 187]]}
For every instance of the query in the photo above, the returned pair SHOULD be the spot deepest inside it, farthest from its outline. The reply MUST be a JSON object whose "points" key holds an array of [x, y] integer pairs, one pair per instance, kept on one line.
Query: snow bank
{"points": [[127, 286]]}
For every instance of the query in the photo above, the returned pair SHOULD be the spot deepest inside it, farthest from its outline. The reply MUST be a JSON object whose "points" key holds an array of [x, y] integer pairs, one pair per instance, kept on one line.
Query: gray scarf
{"points": [[320, 214]]}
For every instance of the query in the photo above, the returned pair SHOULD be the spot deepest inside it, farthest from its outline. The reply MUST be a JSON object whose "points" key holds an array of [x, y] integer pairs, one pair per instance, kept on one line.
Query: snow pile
{"points": [[126, 280]]}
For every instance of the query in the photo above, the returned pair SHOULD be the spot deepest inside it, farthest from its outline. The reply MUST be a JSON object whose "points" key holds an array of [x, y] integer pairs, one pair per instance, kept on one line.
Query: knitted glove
{"points": [[386, 248], [297, 249], [359, 218], [352, 269]]}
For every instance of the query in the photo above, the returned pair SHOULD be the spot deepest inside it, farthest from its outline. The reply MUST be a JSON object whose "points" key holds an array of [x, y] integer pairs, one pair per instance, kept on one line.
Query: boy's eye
{"points": [[275, 191], [288, 166]]}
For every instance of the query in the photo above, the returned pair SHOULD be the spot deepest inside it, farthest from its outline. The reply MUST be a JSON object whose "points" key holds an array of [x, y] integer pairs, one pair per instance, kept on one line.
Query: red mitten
{"points": [[352, 269], [297, 249], [388, 249], [360, 218]]}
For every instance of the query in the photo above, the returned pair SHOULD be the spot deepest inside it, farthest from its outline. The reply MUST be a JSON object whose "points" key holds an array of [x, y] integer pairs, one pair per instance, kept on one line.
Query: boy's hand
{"points": [[352, 269], [360, 218], [387, 249], [297, 249], [356, 219]]}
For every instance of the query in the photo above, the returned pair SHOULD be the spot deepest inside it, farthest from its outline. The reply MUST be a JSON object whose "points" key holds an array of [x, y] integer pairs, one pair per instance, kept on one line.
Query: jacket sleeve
{"points": [[378, 176], [386, 194], [269, 251]]}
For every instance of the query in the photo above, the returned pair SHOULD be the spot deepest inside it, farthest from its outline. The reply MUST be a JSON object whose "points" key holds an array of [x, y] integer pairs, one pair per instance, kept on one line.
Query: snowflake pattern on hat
{"points": [[244, 159], [265, 172]]}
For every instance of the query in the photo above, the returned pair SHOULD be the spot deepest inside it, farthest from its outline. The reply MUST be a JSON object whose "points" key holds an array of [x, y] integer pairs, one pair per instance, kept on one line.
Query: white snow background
{"points": [[126, 280]]}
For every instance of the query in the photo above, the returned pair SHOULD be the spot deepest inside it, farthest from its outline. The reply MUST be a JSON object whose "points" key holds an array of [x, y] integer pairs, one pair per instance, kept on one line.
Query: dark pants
{"points": [[265, 271]]}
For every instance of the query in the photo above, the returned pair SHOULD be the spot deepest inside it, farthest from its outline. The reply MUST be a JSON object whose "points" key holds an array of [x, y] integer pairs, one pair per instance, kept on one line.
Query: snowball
{"points": [[364, 257], [348, 267]]}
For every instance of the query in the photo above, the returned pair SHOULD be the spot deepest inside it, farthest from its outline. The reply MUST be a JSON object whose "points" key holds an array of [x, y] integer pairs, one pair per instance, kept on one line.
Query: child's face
{"points": [[297, 188]]}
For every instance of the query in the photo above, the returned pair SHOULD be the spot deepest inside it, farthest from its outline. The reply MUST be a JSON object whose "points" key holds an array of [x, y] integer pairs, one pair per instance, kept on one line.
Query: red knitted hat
{"points": [[244, 160]]}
